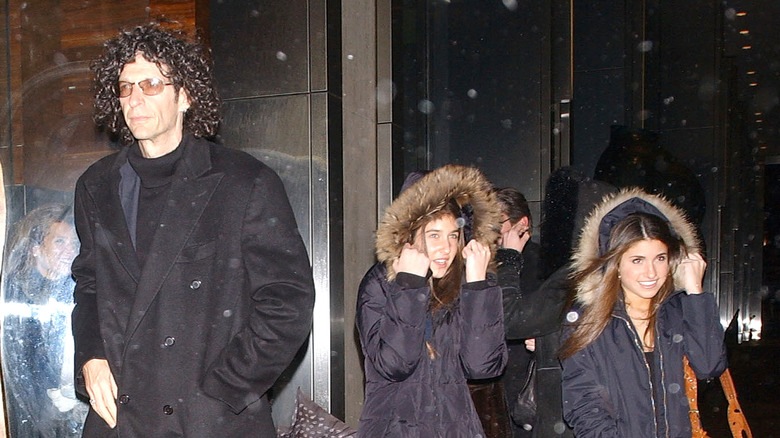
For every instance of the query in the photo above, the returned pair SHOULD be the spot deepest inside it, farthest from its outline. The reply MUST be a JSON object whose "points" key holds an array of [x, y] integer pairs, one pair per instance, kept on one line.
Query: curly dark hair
{"points": [[184, 61]]}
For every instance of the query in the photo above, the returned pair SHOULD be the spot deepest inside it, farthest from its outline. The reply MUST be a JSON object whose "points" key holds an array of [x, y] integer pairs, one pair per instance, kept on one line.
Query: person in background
{"points": [[194, 290], [37, 341], [429, 314], [517, 267], [639, 308], [569, 197], [516, 244]]}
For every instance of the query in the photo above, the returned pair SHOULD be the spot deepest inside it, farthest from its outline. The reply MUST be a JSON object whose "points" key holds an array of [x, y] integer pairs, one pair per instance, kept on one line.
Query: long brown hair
{"points": [[446, 289], [593, 318], [29, 233]]}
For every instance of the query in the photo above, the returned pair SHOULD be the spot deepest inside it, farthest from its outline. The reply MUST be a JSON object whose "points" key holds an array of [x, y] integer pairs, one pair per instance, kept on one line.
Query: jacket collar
{"points": [[195, 161], [619, 309], [193, 185]]}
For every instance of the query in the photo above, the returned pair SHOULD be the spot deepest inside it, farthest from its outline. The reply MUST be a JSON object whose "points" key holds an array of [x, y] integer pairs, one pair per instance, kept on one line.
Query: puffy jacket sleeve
{"points": [[510, 266], [531, 313], [586, 405], [703, 335], [391, 322], [483, 352]]}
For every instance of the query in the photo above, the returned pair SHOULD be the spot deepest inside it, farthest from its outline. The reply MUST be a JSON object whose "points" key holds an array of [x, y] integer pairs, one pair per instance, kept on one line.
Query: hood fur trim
{"points": [[588, 246], [467, 185]]}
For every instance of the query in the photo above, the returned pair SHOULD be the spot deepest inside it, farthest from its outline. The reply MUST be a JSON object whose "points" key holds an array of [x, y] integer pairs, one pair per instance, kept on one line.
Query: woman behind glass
{"points": [[37, 339], [640, 308], [427, 314]]}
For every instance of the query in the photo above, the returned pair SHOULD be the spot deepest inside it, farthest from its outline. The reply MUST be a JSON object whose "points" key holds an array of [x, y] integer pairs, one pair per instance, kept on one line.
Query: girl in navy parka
{"points": [[639, 309], [429, 315]]}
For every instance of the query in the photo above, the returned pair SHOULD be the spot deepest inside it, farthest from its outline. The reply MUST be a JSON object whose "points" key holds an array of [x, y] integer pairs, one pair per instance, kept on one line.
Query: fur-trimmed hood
{"points": [[595, 233], [467, 185]]}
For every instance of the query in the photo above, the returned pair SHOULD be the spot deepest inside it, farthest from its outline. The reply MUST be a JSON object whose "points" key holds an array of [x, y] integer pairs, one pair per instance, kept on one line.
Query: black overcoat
{"points": [[197, 337]]}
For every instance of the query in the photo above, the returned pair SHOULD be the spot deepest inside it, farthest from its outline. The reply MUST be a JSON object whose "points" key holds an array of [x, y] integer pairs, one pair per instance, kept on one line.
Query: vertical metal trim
{"points": [[317, 47], [334, 155], [3, 218], [359, 74], [384, 61], [384, 167], [559, 75], [561, 133], [635, 62], [437, 124], [549, 152], [726, 301], [384, 80], [320, 251], [9, 108]]}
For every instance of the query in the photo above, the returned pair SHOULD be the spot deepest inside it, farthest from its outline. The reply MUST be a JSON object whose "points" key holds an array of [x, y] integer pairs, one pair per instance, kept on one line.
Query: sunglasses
{"points": [[150, 87]]}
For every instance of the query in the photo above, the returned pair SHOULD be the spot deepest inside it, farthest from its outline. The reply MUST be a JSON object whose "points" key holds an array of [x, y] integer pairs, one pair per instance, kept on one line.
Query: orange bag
{"points": [[737, 421]]}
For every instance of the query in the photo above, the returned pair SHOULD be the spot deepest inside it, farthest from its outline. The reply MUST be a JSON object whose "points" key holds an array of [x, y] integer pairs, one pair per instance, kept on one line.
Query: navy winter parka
{"points": [[408, 393], [609, 386]]}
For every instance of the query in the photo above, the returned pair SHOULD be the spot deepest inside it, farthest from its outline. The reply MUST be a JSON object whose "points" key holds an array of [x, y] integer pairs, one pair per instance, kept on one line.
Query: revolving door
{"points": [[48, 139]]}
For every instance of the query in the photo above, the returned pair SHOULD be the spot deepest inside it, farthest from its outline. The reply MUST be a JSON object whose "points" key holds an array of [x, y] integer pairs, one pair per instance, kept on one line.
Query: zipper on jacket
{"points": [[662, 372], [641, 350], [431, 383]]}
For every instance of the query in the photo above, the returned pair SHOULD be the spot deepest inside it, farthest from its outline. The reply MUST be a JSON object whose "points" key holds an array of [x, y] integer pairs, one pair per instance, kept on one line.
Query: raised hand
{"points": [[692, 271], [516, 237], [412, 261], [477, 257]]}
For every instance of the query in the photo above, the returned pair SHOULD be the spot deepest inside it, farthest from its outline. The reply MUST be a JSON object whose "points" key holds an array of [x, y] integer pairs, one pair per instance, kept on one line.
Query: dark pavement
{"points": [[755, 368]]}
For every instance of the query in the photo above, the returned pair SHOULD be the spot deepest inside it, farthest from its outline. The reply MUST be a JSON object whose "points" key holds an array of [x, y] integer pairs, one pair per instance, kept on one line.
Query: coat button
{"points": [[195, 285], [167, 410], [169, 341], [124, 399]]}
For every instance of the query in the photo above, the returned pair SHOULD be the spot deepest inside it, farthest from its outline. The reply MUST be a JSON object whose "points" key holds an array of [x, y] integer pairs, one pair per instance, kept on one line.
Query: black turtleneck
{"points": [[156, 176]]}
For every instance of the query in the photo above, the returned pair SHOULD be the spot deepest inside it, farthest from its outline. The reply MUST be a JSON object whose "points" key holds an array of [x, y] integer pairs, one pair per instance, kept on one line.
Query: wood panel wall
{"points": [[51, 45]]}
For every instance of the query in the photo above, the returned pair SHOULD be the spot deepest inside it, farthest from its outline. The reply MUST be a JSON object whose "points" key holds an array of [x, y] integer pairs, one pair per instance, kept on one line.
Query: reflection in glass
{"points": [[37, 344]]}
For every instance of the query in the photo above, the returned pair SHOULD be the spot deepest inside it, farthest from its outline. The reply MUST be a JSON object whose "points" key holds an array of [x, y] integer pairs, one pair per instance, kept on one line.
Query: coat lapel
{"points": [[190, 193], [105, 192]]}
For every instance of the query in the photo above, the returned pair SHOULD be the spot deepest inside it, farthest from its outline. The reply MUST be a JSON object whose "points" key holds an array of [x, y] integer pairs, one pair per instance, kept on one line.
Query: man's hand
{"points": [[516, 237], [477, 258], [102, 389]]}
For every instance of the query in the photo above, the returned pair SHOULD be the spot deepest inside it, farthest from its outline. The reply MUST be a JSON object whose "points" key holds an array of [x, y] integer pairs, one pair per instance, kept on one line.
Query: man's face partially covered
{"points": [[155, 121]]}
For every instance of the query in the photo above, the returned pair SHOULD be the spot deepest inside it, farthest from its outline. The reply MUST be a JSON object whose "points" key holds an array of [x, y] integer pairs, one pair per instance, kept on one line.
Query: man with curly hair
{"points": [[193, 286]]}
